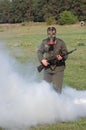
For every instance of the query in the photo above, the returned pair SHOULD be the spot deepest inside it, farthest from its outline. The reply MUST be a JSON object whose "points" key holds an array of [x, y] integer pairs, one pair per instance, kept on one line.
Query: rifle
{"points": [[53, 60]]}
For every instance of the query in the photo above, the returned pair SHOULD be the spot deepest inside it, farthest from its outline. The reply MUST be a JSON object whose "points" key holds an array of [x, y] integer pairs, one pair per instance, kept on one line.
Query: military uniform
{"points": [[54, 73]]}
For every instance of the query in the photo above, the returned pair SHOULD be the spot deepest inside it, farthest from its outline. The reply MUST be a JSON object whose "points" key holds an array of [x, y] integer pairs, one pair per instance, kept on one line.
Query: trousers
{"points": [[55, 78]]}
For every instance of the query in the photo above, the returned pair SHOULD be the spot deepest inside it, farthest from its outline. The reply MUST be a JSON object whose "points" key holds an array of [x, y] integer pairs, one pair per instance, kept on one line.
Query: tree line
{"points": [[17, 11]]}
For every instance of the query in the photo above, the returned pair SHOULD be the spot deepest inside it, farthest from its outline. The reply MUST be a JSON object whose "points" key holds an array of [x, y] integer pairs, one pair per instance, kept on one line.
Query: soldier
{"points": [[53, 47]]}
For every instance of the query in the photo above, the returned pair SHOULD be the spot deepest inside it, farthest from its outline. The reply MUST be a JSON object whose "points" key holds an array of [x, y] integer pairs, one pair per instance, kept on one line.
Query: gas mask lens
{"points": [[51, 34]]}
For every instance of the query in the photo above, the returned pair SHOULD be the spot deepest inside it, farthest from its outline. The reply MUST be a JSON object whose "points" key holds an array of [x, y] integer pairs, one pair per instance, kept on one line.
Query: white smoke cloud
{"points": [[25, 103]]}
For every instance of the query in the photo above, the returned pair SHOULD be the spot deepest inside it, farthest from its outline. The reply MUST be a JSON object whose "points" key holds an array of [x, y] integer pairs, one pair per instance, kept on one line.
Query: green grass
{"points": [[22, 43], [77, 125]]}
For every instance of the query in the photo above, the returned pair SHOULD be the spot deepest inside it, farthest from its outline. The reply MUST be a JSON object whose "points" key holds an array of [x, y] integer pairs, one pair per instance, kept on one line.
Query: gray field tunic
{"points": [[44, 52]]}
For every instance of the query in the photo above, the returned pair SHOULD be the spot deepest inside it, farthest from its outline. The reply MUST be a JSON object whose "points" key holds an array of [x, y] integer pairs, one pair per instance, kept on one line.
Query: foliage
{"points": [[50, 21], [17, 11], [4, 11], [66, 17], [38, 10]]}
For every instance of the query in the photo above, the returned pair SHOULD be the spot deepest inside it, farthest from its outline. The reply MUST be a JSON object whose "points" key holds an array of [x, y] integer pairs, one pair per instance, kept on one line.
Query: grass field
{"points": [[22, 42]]}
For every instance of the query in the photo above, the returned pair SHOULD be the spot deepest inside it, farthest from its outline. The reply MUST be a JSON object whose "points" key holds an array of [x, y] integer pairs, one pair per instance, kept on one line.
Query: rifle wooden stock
{"points": [[40, 68]]}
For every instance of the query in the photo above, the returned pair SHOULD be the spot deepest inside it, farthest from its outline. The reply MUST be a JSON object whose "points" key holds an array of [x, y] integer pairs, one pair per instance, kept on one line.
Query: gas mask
{"points": [[51, 32]]}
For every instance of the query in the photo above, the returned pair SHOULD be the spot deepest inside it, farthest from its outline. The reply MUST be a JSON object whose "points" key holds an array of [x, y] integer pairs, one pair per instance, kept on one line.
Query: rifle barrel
{"points": [[70, 52]]}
